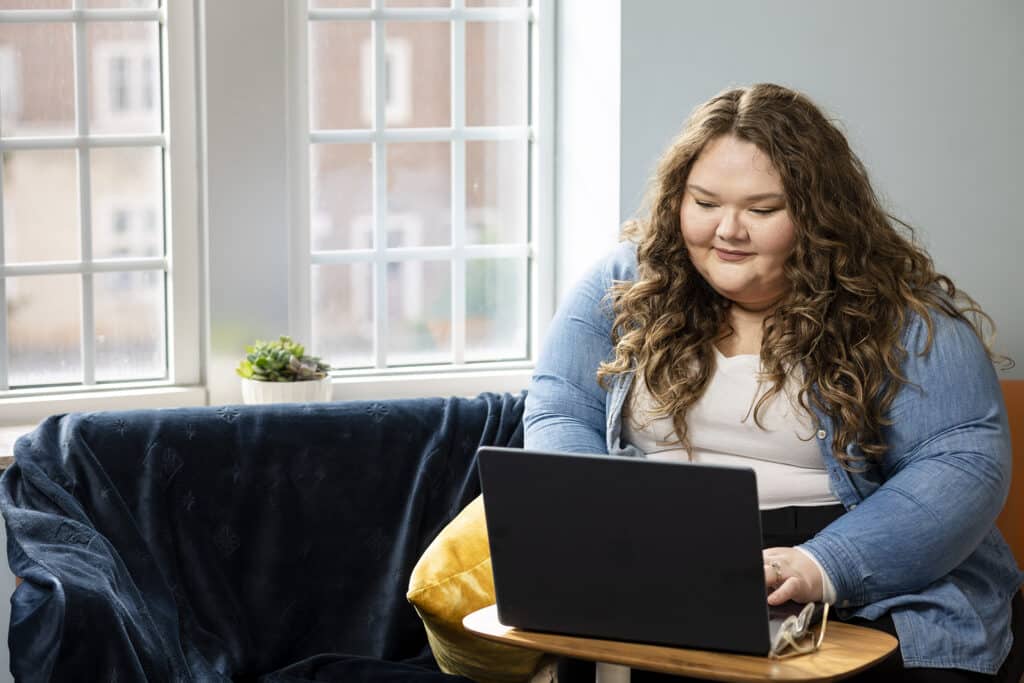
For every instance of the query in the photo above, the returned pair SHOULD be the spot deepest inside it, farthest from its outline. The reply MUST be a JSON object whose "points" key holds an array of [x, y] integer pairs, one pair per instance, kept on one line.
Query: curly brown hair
{"points": [[855, 276]]}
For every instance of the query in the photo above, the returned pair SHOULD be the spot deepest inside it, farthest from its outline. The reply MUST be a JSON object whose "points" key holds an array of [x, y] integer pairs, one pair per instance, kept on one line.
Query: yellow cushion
{"points": [[453, 579]]}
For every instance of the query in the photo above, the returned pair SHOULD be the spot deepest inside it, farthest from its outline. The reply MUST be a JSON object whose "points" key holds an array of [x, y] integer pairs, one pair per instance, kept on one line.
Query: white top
{"points": [[785, 455]]}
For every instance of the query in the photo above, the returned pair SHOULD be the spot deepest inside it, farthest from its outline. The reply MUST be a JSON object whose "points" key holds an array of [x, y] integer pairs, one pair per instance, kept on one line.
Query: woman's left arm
{"points": [[947, 473]]}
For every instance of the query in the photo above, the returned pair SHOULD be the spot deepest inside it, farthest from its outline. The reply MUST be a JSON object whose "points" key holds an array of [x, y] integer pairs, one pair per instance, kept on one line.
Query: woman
{"points": [[769, 313]]}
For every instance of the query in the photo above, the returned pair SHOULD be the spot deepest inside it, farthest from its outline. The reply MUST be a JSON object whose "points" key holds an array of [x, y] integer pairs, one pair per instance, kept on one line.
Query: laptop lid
{"points": [[626, 548]]}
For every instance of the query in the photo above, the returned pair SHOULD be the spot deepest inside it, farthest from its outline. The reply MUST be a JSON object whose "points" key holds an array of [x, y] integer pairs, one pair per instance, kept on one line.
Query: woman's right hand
{"points": [[791, 575]]}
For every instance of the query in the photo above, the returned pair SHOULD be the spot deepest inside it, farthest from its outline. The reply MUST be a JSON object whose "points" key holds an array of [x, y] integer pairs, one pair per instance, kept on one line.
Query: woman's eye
{"points": [[763, 212], [704, 205]]}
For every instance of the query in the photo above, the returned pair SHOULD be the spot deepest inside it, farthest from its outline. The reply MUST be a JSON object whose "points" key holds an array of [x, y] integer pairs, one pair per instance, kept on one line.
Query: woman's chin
{"points": [[744, 299]]}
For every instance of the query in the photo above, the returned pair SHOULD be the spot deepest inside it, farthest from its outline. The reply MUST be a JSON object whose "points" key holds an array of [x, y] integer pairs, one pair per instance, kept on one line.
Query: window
{"points": [[424, 232], [88, 297], [417, 229]]}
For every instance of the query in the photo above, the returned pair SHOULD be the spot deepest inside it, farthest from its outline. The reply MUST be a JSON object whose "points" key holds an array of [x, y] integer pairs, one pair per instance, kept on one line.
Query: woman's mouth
{"points": [[729, 255]]}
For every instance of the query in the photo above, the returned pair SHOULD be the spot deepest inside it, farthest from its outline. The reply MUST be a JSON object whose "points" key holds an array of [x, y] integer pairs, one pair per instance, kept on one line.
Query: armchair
{"points": [[260, 543]]}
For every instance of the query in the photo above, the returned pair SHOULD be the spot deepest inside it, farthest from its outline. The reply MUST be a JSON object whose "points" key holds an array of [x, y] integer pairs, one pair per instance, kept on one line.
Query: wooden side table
{"points": [[847, 649]]}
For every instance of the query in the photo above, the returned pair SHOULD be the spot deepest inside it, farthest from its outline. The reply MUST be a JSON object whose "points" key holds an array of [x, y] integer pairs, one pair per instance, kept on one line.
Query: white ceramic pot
{"points": [[286, 392]]}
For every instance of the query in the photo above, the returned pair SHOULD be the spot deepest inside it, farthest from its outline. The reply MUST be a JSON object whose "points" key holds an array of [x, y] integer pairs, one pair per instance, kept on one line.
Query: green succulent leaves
{"points": [[280, 361]]}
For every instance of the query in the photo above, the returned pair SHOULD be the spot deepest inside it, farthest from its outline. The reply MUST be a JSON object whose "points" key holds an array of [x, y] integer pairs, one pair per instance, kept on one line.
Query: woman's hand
{"points": [[791, 575]]}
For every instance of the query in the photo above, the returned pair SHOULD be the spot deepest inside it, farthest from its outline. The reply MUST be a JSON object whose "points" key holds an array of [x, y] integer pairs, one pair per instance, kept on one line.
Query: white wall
{"points": [[587, 125], [246, 183], [929, 91]]}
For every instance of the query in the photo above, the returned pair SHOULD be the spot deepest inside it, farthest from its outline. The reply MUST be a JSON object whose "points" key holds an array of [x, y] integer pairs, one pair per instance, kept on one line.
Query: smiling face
{"points": [[736, 224]]}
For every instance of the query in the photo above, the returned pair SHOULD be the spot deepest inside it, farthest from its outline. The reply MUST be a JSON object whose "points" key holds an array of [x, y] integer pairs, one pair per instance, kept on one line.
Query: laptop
{"points": [[628, 549]]}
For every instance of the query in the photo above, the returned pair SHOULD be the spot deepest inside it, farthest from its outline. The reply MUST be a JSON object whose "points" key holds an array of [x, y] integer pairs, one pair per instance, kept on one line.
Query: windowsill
{"points": [[30, 406], [420, 384]]}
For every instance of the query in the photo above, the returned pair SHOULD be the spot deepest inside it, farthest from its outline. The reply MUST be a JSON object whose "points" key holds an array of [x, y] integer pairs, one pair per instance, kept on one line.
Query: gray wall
{"points": [[246, 183], [587, 135], [928, 91]]}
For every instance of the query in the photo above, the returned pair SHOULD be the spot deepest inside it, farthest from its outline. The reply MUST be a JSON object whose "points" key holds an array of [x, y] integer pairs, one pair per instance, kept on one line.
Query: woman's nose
{"points": [[730, 228]]}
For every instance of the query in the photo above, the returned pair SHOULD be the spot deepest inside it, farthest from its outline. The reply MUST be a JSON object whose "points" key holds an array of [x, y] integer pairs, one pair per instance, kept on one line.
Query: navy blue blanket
{"points": [[269, 543]]}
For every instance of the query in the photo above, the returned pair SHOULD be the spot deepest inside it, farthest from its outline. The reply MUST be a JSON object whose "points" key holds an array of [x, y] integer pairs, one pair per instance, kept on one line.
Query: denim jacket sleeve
{"points": [[565, 405], [945, 476]]}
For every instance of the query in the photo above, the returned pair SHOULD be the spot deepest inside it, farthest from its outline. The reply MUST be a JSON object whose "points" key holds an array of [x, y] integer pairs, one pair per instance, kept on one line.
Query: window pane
{"points": [[125, 64], [419, 303], [130, 334], [495, 309], [37, 77], [419, 194], [496, 197], [343, 314], [44, 321], [418, 74], [341, 189], [496, 73], [341, 75], [127, 202], [41, 206]]}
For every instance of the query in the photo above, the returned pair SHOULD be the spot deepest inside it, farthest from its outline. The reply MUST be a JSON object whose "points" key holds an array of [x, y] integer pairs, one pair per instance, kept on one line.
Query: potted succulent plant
{"points": [[281, 372]]}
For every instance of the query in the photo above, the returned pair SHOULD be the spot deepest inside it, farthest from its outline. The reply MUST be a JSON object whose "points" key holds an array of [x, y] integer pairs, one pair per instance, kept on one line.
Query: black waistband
{"points": [[797, 524]]}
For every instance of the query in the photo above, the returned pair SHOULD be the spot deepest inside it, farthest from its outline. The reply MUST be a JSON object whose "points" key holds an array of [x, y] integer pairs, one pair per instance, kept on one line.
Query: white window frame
{"points": [[177, 21], [458, 377]]}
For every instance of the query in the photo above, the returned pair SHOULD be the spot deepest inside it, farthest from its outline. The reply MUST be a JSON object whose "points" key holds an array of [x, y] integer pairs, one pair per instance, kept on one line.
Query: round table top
{"points": [[845, 650]]}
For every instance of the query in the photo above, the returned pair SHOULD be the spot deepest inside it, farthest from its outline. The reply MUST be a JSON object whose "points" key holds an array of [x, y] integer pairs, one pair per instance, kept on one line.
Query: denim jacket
{"points": [[918, 540]]}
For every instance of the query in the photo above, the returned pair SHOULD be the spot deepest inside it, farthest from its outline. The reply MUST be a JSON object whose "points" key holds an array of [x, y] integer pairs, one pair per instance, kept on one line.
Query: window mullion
{"points": [[458, 152], [424, 14], [78, 14], [180, 78], [421, 134], [74, 267], [380, 194], [542, 163], [85, 200], [393, 254], [76, 142]]}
